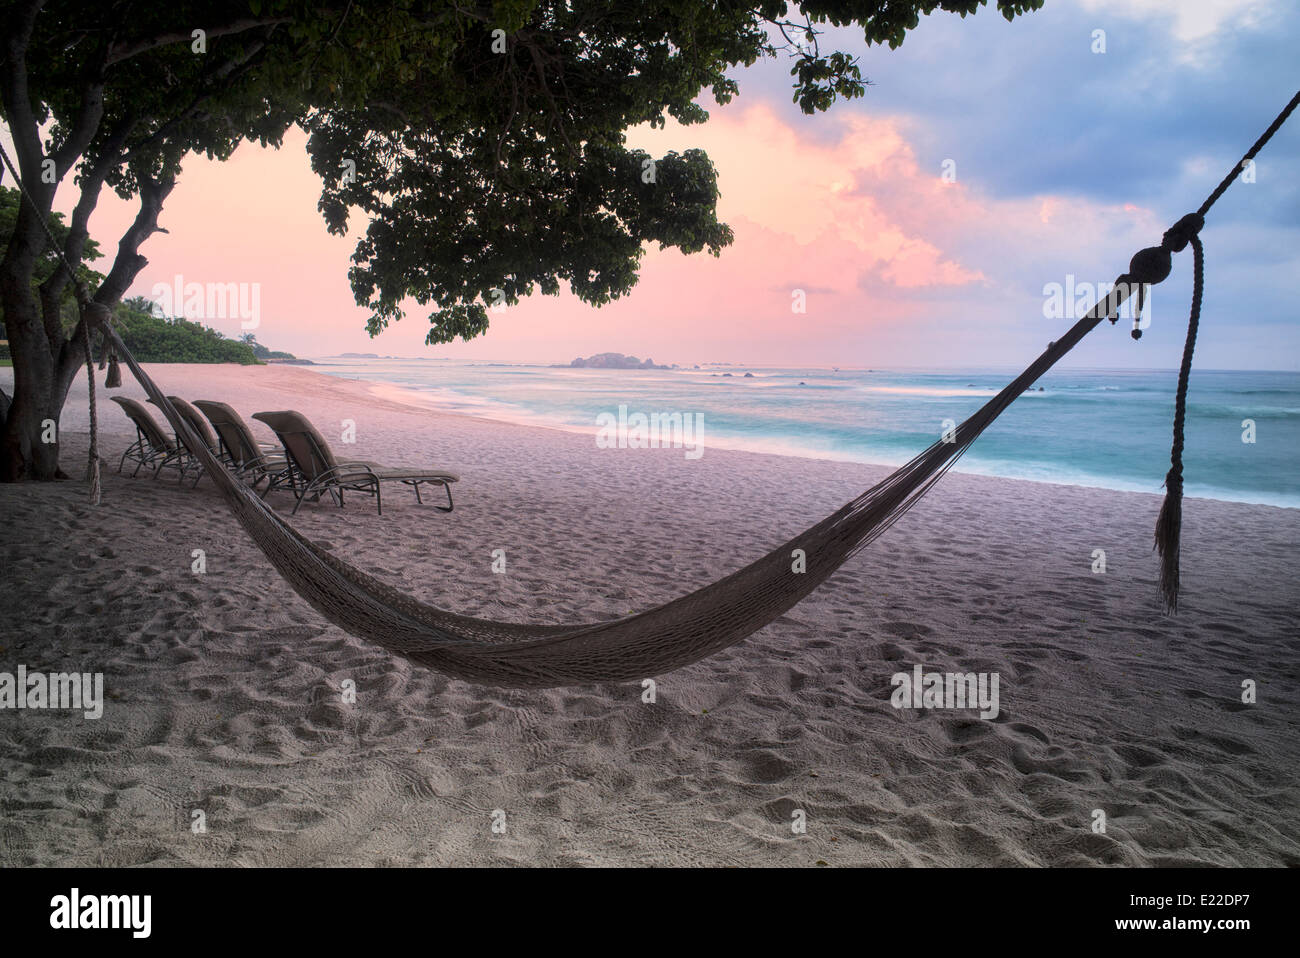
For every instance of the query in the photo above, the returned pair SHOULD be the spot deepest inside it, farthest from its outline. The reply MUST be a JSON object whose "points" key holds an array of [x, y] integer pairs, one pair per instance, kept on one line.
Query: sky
{"points": [[1061, 163]]}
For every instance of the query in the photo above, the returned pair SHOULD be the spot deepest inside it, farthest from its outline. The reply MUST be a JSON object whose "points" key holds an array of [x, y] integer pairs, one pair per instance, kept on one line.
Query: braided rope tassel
{"points": [[1169, 524], [114, 378]]}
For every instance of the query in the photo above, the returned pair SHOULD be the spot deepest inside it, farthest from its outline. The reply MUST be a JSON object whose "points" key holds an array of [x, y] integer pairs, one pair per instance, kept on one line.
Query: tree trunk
{"points": [[23, 454]]}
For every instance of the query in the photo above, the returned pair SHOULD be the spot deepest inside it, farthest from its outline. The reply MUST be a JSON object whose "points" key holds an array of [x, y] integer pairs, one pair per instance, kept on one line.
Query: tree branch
{"points": [[87, 122], [230, 70], [16, 97], [125, 51], [92, 184], [129, 262]]}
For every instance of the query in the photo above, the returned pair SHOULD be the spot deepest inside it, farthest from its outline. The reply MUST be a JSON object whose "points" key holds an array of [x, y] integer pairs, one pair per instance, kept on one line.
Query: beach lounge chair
{"points": [[237, 445], [317, 471], [152, 447], [194, 419]]}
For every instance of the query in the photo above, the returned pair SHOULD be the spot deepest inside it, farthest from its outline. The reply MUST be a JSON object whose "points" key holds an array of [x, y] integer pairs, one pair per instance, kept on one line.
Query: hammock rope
{"points": [[719, 615], [92, 457]]}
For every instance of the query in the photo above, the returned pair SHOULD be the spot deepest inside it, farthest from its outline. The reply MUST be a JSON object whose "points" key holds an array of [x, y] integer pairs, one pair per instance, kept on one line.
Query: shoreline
{"points": [[415, 398], [409, 399]]}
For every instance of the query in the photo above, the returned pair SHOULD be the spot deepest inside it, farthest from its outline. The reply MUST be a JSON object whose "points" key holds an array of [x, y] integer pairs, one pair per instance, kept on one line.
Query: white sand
{"points": [[225, 687]]}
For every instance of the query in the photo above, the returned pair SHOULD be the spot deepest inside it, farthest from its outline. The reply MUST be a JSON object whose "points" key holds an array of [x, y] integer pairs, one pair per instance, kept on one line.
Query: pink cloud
{"points": [[876, 242]]}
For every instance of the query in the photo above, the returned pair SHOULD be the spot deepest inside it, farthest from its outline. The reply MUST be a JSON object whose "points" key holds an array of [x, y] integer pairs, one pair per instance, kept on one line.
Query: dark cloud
{"points": [[1027, 109]]}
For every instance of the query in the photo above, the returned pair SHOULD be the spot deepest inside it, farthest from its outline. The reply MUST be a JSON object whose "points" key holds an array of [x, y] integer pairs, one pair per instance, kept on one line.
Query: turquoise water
{"points": [[1087, 427]]}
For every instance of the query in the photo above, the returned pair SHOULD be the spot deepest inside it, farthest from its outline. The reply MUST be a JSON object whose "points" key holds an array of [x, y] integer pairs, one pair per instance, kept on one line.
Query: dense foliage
{"points": [[158, 339], [48, 262], [262, 352]]}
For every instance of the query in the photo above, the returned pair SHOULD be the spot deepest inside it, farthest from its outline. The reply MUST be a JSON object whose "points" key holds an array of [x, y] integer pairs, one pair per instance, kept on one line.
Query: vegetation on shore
{"points": [[163, 339], [160, 339]]}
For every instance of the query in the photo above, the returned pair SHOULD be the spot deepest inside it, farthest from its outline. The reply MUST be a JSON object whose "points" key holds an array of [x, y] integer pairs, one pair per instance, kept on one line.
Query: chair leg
{"points": [[449, 506], [122, 462], [418, 500], [307, 490]]}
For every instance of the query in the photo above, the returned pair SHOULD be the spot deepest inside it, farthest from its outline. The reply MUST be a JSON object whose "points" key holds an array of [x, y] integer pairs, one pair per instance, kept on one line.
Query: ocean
{"points": [[1103, 428]]}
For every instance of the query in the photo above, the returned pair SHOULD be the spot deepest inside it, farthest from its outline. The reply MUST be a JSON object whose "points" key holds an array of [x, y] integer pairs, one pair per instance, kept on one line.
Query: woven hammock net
{"points": [[635, 647]]}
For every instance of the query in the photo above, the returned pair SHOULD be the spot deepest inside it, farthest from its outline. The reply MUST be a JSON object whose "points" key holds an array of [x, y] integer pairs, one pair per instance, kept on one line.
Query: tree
{"points": [[485, 141]]}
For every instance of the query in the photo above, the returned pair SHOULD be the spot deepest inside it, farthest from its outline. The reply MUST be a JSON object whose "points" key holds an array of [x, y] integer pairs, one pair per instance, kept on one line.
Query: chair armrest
{"points": [[344, 467]]}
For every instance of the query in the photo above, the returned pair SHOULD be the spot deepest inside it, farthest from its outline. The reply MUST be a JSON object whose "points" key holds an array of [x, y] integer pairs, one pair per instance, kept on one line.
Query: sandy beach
{"points": [[224, 690]]}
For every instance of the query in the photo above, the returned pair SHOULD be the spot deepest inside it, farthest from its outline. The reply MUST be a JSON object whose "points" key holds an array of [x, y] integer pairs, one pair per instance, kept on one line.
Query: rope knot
{"points": [[1150, 266], [1180, 234], [97, 315], [100, 317]]}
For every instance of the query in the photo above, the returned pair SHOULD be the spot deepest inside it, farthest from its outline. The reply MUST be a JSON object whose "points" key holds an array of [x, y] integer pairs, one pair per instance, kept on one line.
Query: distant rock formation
{"points": [[613, 361], [267, 355], [358, 355]]}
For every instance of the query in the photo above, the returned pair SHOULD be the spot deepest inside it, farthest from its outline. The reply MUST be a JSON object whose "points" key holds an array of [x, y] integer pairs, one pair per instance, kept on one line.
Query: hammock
{"points": [[631, 648], [715, 617]]}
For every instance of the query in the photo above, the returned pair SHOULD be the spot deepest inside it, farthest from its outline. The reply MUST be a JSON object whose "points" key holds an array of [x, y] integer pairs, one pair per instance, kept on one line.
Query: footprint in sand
{"points": [[1021, 728], [891, 652], [907, 630], [965, 731], [766, 767]]}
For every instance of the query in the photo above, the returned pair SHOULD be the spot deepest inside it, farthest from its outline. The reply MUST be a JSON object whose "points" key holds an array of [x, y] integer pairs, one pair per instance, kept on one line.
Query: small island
{"points": [[611, 361]]}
